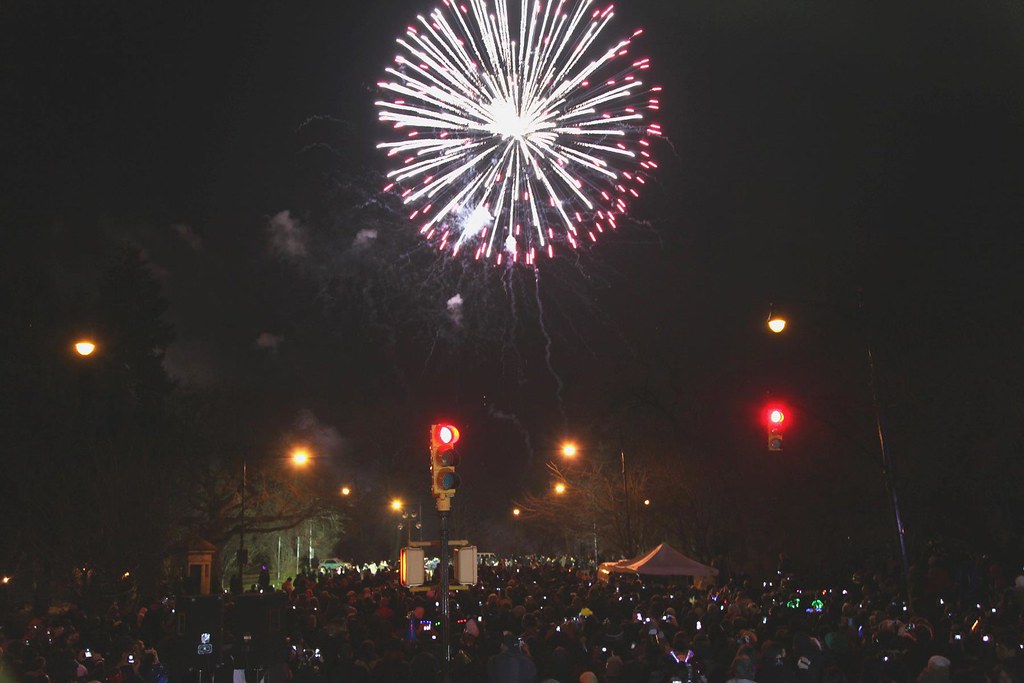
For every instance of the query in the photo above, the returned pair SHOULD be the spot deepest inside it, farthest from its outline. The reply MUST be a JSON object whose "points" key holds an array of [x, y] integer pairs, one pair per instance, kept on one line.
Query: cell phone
{"points": [[88, 653], [131, 659]]}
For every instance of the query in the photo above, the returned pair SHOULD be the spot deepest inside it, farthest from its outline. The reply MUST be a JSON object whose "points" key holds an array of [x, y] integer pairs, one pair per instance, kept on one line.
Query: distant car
{"points": [[333, 564]]}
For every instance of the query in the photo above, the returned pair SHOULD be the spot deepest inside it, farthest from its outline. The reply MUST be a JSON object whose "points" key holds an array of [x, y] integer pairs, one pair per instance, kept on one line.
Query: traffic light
{"points": [[776, 417], [411, 569], [443, 459]]}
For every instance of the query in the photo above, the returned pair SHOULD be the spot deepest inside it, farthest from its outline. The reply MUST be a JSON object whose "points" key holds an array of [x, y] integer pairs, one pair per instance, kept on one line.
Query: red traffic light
{"points": [[443, 436], [775, 418], [447, 434], [443, 460], [775, 415]]}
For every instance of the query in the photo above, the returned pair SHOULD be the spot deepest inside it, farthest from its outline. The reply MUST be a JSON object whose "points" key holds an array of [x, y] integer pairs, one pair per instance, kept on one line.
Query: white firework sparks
{"points": [[513, 146]]}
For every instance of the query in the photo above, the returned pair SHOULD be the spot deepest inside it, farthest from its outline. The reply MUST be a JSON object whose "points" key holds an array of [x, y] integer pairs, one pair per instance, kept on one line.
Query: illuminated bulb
{"points": [[84, 348]]}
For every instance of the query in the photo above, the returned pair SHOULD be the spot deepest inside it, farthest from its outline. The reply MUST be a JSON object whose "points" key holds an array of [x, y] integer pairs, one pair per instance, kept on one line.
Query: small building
{"points": [[198, 567]]}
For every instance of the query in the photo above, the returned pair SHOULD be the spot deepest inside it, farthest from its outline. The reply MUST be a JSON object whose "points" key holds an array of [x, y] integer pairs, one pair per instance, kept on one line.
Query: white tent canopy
{"points": [[664, 560]]}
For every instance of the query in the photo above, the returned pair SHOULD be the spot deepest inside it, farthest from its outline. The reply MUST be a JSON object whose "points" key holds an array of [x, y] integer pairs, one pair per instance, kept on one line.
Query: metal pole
{"points": [[625, 498], [887, 470], [445, 606], [241, 532]]}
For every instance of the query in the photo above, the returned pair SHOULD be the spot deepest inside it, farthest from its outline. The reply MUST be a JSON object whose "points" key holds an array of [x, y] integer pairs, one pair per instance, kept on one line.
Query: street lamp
{"points": [[345, 491], [570, 450], [300, 457], [559, 488], [515, 530], [409, 517], [777, 323], [84, 347]]}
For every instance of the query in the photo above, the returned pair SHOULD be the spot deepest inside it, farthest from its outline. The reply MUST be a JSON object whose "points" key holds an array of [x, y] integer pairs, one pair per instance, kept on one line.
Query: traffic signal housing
{"points": [[465, 564], [775, 418], [444, 458], [411, 567]]}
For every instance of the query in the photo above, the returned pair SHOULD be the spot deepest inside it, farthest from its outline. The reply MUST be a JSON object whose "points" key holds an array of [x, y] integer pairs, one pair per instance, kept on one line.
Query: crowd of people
{"points": [[530, 620]]}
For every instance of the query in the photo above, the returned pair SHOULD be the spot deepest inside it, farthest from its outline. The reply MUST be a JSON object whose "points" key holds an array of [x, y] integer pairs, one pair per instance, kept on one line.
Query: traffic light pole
{"points": [[446, 622], [443, 482], [887, 472]]}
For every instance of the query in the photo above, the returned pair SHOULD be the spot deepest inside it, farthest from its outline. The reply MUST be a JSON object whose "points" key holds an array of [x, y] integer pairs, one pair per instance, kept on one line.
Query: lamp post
{"points": [[777, 323], [625, 500], [569, 451], [410, 519], [243, 556], [515, 530], [300, 457]]}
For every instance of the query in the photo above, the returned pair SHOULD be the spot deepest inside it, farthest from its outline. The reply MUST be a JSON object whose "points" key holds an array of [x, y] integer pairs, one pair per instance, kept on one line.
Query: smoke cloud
{"points": [[287, 236], [269, 341], [455, 310]]}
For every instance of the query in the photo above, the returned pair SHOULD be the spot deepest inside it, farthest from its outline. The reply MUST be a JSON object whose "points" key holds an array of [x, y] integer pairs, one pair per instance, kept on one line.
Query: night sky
{"points": [[822, 154]]}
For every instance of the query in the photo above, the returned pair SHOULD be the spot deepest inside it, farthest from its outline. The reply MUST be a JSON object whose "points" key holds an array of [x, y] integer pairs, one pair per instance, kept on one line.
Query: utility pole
{"points": [[243, 556]]}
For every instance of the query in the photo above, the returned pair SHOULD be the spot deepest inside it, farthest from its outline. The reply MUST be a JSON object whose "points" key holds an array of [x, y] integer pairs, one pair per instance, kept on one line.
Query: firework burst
{"points": [[512, 145]]}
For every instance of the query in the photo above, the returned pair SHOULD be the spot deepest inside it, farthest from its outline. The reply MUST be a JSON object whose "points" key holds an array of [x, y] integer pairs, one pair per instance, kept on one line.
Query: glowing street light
{"points": [[84, 347], [397, 505], [569, 450], [559, 488], [776, 321], [345, 490], [300, 457], [516, 512]]}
